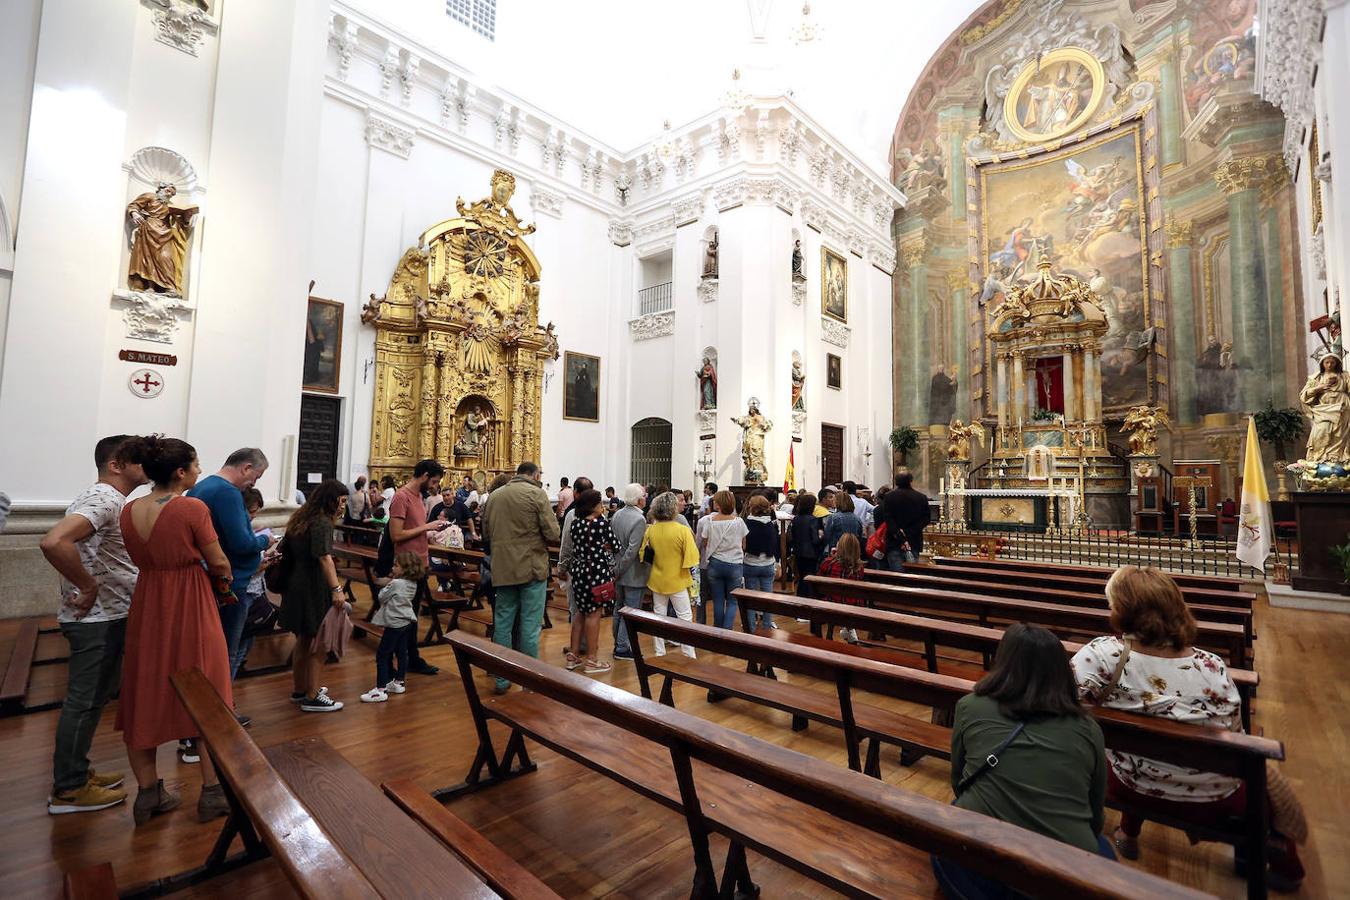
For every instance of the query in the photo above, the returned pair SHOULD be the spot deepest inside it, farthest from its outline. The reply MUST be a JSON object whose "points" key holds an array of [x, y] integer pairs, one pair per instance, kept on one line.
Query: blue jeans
{"points": [[723, 578], [959, 883], [94, 672], [232, 621], [245, 644], [391, 657], [896, 559], [629, 598], [759, 578], [526, 603]]}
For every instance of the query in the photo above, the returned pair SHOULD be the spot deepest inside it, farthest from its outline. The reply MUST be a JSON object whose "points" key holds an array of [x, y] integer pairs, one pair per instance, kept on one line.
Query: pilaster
{"points": [[1181, 289]]}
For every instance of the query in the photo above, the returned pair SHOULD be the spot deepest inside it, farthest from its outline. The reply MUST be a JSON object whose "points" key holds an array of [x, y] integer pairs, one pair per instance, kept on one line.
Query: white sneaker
{"points": [[849, 635], [320, 703], [374, 695], [395, 687]]}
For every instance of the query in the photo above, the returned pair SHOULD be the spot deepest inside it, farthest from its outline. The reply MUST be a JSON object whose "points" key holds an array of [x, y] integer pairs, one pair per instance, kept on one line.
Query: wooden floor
{"points": [[584, 836]]}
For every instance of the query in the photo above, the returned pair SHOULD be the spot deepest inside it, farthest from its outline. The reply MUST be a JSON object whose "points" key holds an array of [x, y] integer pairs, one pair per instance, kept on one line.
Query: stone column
{"points": [[1240, 180], [914, 254], [1180, 287], [959, 284], [1019, 389], [1275, 305], [1070, 406], [1091, 380], [1169, 110], [1002, 388]]}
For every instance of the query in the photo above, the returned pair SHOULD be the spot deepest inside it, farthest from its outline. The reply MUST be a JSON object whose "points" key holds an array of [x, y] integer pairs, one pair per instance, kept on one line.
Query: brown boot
{"points": [[153, 802], [212, 803]]}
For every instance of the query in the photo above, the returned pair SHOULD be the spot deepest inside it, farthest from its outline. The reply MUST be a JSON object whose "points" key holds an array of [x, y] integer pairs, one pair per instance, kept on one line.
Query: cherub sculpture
{"points": [[1143, 423]]}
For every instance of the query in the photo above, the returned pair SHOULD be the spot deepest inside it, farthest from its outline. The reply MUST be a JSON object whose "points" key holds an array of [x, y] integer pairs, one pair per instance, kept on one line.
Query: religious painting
{"points": [[833, 285], [1082, 208], [581, 387], [834, 372], [1223, 36], [1054, 95], [323, 346]]}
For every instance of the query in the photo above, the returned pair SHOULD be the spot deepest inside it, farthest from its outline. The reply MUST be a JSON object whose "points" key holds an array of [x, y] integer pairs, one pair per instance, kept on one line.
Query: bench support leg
{"points": [[667, 692], [910, 755], [515, 762], [873, 764], [799, 723], [705, 877], [736, 882]]}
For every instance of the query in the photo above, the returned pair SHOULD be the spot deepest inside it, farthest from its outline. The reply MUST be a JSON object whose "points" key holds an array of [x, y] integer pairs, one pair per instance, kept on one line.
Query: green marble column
{"points": [[1181, 293], [1169, 111], [918, 287], [908, 340], [1240, 179], [1275, 306], [959, 285]]}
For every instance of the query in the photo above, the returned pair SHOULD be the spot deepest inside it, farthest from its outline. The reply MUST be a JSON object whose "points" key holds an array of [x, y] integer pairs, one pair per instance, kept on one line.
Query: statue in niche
{"points": [[1143, 423], [473, 433], [710, 257], [707, 384], [798, 386], [798, 263], [158, 234], [942, 395], [753, 427], [1326, 399]]}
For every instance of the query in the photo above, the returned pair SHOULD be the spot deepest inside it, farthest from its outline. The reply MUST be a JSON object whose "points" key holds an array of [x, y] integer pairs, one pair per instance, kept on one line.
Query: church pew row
{"points": [[1240, 755], [1068, 579], [996, 586], [1229, 641], [334, 834], [932, 634], [1098, 573], [14, 684], [840, 828]]}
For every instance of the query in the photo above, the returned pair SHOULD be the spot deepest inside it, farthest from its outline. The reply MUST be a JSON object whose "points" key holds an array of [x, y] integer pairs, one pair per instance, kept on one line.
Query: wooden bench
{"points": [[95, 882], [851, 833], [18, 670], [331, 831], [1229, 641], [366, 558], [1068, 579], [995, 586], [930, 634], [1098, 573]]}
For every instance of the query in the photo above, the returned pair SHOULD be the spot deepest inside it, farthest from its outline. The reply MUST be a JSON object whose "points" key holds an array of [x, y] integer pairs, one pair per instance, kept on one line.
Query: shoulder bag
{"points": [[990, 761]]}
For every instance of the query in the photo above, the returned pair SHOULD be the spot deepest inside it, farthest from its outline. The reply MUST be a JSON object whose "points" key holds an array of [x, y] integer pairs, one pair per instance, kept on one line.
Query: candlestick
{"points": [[942, 485]]}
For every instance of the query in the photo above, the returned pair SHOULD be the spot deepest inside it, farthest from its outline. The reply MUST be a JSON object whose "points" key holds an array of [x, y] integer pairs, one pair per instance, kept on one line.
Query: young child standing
{"points": [[400, 627], [845, 561]]}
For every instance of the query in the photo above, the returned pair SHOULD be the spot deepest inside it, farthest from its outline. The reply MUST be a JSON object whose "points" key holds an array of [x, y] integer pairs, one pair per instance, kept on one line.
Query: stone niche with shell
{"points": [[459, 352]]}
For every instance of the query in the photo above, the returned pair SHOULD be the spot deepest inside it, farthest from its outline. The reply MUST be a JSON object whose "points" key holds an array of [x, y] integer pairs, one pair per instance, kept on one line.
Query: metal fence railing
{"points": [[658, 298]]}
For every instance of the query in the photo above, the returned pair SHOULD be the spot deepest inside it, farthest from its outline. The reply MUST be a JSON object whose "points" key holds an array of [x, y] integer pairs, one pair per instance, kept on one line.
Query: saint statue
{"points": [[158, 234], [798, 264], [1143, 423], [710, 258], [753, 428], [1326, 399], [707, 385], [798, 387], [471, 437]]}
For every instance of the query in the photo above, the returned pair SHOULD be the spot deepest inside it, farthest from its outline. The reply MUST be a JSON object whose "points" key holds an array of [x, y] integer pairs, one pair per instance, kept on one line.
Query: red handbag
{"points": [[876, 544], [605, 594]]}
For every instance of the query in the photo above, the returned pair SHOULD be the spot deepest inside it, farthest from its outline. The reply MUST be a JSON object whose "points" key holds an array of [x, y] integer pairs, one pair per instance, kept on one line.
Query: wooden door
{"points": [[317, 446], [831, 455]]}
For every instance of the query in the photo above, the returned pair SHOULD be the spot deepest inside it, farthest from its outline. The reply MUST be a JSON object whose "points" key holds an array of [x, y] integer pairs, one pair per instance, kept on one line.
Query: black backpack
{"points": [[278, 576], [384, 555]]}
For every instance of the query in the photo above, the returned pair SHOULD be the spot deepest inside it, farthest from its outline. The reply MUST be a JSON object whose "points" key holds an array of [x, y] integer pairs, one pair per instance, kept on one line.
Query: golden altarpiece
{"points": [[459, 352]]}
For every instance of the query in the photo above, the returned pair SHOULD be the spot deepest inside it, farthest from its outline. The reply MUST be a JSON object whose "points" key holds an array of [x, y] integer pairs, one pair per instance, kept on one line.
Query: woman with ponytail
{"points": [[173, 624]]}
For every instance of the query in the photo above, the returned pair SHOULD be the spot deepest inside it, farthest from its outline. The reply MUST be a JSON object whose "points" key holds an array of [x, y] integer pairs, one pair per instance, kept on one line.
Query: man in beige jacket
{"points": [[519, 524]]}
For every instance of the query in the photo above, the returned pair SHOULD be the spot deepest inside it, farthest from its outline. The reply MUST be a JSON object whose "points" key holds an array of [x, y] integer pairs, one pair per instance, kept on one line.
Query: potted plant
{"points": [[904, 441], [1279, 428], [1342, 556]]}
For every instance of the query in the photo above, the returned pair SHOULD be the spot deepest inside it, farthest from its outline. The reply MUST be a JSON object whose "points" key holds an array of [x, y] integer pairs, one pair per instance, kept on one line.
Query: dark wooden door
{"points": [[317, 451], [831, 455]]}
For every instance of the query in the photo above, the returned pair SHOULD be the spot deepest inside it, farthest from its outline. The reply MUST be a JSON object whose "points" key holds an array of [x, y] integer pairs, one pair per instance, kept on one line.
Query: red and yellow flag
{"points": [[790, 477]]}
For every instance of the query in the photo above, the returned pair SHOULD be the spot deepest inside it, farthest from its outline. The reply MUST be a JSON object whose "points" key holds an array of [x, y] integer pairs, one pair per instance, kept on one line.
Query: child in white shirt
{"points": [[399, 619]]}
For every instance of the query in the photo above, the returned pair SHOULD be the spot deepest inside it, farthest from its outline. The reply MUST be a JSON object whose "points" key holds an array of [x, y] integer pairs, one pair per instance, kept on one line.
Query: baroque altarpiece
{"points": [[459, 352]]}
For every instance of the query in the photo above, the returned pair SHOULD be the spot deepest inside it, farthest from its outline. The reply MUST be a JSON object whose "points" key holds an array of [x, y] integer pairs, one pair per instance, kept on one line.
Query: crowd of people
{"points": [[167, 582]]}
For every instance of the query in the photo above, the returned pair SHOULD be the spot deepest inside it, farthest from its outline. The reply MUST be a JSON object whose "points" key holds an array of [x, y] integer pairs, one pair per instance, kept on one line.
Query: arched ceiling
{"points": [[615, 69]]}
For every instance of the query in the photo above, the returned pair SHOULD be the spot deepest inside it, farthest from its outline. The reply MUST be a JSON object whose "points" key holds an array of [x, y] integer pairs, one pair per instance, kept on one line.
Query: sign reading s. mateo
{"points": [[142, 356]]}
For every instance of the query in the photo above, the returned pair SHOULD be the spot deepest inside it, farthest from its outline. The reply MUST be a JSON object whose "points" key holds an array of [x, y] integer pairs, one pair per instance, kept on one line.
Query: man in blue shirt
{"points": [[223, 495]]}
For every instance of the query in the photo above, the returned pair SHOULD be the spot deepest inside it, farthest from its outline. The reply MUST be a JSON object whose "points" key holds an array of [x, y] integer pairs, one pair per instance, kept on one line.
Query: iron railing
{"points": [[658, 298]]}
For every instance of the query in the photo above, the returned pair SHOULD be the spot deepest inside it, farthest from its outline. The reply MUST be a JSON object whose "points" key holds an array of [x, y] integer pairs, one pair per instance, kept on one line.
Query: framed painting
{"points": [[323, 346], [1055, 94], [833, 285], [581, 387], [834, 372]]}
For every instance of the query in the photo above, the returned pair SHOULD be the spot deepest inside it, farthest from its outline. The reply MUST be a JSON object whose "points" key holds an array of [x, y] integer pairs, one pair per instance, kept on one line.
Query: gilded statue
{"points": [[1143, 423], [1326, 399], [158, 233], [496, 210], [753, 427], [958, 438], [472, 435]]}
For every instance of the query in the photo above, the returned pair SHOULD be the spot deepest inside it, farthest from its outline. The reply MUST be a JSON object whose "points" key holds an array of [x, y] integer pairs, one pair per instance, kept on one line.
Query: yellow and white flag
{"points": [[1255, 525]]}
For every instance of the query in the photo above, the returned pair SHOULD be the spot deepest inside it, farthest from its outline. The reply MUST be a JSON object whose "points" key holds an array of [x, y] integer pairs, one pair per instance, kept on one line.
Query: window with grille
{"points": [[480, 15], [651, 452]]}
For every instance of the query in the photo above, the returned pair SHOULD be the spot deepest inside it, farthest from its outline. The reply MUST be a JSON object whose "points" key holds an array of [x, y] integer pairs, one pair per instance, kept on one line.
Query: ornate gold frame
{"points": [[825, 254], [337, 350], [1034, 67], [567, 359]]}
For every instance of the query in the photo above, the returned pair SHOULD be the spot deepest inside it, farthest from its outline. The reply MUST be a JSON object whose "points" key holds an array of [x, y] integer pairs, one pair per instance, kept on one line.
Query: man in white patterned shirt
{"points": [[97, 581]]}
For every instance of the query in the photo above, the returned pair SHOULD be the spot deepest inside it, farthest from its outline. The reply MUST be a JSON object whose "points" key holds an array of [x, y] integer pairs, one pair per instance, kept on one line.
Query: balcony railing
{"points": [[658, 298]]}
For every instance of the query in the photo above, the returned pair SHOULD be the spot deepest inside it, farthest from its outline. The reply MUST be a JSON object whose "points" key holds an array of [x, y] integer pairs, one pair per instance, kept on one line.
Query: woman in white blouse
{"points": [[1155, 670]]}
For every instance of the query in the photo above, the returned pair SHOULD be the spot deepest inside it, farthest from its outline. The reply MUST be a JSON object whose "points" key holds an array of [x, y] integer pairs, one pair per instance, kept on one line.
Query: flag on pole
{"points": [[1254, 520], [790, 477]]}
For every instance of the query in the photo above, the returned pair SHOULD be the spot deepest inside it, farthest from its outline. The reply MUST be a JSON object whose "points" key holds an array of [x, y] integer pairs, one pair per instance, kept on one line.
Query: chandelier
{"points": [[736, 100], [805, 31]]}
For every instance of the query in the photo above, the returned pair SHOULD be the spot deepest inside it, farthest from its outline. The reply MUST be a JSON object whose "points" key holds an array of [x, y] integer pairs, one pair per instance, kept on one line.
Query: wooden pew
{"points": [[365, 557], [502, 873], [18, 670], [931, 634], [1210, 749], [844, 830], [1229, 641], [924, 577], [1099, 573], [90, 883], [330, 830]]}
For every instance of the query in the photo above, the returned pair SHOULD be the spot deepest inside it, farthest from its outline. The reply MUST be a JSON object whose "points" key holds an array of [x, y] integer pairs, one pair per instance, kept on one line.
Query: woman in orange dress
{"points": [[173, 624]]}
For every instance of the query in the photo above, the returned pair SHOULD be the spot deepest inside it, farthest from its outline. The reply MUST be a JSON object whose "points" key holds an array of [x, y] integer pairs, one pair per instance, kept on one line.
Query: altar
{"points": [[1019, 509]]}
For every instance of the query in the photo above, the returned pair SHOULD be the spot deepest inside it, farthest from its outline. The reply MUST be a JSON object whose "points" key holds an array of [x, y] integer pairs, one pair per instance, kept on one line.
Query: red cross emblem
{"points": [[146, 383]]}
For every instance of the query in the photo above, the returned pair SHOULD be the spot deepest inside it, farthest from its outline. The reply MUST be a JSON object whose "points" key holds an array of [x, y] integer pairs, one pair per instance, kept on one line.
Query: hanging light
{"points": [[805, 31], [736, 100]]}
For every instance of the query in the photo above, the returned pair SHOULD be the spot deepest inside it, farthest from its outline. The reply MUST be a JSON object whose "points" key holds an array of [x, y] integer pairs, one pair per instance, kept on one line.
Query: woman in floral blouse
{"points": [[1162, 674]]}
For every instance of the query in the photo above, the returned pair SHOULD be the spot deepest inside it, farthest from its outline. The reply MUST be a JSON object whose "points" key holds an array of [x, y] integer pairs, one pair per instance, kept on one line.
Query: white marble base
{"points": [[1285, 596]]}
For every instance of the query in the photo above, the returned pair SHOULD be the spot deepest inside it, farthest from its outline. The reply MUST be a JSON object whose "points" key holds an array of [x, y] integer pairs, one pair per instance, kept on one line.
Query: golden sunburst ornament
{"points": [[484, 255]]}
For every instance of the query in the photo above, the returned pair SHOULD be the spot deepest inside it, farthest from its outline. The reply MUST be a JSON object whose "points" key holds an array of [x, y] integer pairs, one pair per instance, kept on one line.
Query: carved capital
{"points": [[1179, 232], [1250, 173], [913, 252], [389, 136]]}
